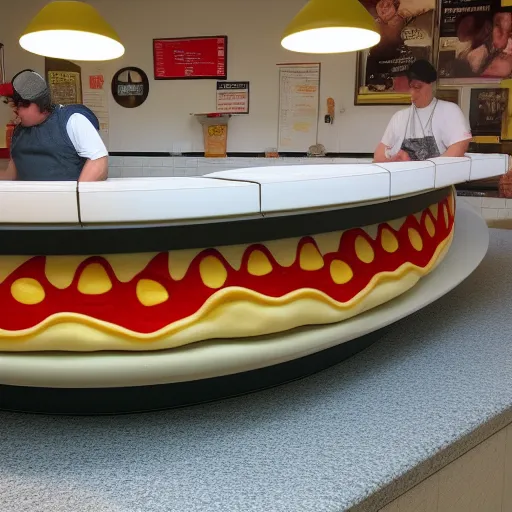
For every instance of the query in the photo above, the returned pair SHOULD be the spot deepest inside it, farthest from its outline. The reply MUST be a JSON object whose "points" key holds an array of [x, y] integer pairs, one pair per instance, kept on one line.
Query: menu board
{"points": [[299, 86], [233, 97], [190, 58]]}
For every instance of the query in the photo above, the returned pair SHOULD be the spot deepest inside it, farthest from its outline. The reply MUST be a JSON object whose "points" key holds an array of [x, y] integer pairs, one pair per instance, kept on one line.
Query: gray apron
{"points": [[424, 146]]}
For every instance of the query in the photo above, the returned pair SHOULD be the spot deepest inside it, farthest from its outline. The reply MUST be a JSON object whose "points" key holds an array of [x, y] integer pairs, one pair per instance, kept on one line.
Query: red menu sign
{"points": [[191, 57]]}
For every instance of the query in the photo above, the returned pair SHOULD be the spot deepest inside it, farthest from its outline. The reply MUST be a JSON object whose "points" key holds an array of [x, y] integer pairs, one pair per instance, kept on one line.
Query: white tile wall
{"points": [[491, 208], [120, 167], [479, 481]]}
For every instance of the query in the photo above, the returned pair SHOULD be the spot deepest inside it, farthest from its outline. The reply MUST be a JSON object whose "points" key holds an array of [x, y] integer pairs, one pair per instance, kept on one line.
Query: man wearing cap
{"points": [[51, 142], [428, 128]]}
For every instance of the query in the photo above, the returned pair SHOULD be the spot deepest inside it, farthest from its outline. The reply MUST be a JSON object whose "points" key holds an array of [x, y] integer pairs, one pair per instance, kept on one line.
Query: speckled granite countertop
{"points": [[350, 438]]}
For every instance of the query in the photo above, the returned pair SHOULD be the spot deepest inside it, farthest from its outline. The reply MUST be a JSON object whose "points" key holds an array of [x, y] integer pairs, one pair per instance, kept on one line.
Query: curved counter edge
{"points": [[116, 239]]}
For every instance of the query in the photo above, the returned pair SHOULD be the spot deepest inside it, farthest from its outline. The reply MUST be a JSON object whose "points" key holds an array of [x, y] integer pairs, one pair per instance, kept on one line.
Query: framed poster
{"points": [[64, 80], [189, 58], [452, 94], [65, 87], [475, 43], [488, 111], [407, 34], [233, 97]]}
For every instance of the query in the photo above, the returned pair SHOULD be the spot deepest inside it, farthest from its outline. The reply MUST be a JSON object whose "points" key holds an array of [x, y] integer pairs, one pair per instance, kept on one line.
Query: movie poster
{"points": [[406, 29], [487, 111], [475, 42]]}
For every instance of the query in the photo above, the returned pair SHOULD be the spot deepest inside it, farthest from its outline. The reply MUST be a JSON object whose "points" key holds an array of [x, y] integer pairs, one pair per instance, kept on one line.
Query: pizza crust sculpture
{"points": [[154, 301]]}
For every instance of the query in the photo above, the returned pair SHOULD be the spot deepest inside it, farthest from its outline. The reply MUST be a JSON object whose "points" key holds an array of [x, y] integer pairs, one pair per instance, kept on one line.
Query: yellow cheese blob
{"points": [[389, 241], [341, 273], [364, 250], [431, 229], [310, 258], [60, 270], [27, 291], [415, 239], [9, 264], [213, 273], [94, 280], [258, 264], [451, 205], [151, 293], [446, 218]]}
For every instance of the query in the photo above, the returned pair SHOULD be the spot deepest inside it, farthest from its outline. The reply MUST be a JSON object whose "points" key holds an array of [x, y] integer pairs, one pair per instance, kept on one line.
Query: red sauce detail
{"points": [[120, 306]]}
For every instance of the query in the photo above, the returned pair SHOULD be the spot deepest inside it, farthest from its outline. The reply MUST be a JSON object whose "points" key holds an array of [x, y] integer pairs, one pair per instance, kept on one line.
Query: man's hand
{"points": [[10, 173], [401, 156]]}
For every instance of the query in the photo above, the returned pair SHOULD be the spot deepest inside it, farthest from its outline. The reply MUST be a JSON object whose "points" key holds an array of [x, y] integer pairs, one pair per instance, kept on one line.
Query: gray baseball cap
{"points": [[29, 85]]}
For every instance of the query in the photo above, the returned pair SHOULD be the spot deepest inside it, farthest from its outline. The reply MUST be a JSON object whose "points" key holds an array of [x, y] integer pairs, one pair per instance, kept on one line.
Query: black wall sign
{"points": [[130, 87]]}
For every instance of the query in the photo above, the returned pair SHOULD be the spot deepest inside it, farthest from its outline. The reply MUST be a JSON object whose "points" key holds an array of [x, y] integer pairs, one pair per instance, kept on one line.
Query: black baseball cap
{"points": [[422, 70]]}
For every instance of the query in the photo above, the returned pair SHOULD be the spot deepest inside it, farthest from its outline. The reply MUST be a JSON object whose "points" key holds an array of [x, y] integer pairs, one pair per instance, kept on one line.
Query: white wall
{"points": [[253, 28]]}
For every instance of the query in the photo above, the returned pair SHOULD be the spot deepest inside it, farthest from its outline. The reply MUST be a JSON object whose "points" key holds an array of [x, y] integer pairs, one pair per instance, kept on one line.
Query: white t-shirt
{"points": [[449, 126], [85, 138]]}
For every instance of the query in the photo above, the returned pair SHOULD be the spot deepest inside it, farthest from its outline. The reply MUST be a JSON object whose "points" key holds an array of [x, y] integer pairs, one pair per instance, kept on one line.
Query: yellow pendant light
{"points": [[71, 30], [331, 26]]}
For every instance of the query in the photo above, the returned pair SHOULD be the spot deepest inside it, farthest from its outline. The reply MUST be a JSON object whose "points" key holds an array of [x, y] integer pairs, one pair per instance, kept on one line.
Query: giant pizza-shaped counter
{"points": [[139, 294]]}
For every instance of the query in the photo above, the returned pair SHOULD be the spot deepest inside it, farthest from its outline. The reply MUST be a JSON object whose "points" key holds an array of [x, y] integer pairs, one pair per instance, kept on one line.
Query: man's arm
{"points": [[95, 170], [389, 141], [88, 144], [455, 131], [458, 149], [10, 173]]}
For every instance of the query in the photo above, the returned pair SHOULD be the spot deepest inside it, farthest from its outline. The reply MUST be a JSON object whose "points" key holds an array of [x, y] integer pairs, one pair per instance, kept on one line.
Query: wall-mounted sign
{"points": [[233, 97], [130, 87], [190, 58], [64, 79], [96, 82], [65, 87]]}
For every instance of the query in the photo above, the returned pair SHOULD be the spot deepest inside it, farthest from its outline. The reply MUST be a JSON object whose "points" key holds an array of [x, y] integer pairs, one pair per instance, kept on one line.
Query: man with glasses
{"points": [[51, 142], [429, 128]]}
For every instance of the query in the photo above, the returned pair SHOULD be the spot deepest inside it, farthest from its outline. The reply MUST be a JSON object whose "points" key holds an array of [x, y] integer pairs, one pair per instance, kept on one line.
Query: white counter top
{"points": [[239, 193]]}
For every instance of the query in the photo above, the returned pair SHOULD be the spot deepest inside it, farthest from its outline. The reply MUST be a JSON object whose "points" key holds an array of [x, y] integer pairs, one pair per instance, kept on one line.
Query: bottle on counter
{"points": [[9, 129]]}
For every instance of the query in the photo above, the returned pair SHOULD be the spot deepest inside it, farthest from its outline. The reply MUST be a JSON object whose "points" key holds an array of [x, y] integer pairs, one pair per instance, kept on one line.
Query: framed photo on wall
{"points": [[64, 80], [475, 42], [407, 34], [488, 111], [452, 94]]}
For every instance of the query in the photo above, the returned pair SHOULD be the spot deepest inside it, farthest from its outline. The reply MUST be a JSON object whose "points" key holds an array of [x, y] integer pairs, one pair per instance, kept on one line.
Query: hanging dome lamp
{"points": [[71, 30], [331, 26]]}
